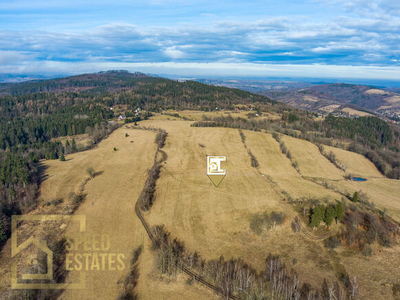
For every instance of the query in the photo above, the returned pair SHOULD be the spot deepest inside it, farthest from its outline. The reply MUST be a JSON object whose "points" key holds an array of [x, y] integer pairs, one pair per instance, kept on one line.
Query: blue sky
{"points": [[288, 38]]}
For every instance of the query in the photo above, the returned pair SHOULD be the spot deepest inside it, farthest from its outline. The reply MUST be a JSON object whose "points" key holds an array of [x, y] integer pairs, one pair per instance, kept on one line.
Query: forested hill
{"points": [[329, 97], [139, 86], [34, 112], [102, 80]]}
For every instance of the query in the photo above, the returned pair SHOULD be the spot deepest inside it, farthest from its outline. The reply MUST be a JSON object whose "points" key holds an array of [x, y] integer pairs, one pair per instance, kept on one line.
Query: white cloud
{"points": [[13, 57], [174, 53], [364, 39]]}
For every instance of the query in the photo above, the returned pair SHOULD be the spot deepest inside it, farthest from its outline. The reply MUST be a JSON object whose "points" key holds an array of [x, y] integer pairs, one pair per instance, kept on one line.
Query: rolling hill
{"points": [[339, 96]]}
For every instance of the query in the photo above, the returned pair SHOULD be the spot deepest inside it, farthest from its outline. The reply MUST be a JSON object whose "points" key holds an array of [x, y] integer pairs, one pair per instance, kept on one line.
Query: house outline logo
{"points": [[214, 168], [42, 245]]}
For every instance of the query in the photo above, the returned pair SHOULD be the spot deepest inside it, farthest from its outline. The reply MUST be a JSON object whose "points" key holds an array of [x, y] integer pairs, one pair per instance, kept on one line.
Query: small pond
{"points": [[358, 179]]}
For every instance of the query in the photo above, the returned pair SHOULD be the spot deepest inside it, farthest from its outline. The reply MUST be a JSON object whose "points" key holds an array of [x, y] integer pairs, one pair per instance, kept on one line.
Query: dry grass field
{"points": [[357, 164], [82, 140], [276, 165], [383, 192], [109, 205], [355, 112], [213, 220], [109, 209], [311, 162], [198, 115], [375, 92], [330, 108], [393, 99]]}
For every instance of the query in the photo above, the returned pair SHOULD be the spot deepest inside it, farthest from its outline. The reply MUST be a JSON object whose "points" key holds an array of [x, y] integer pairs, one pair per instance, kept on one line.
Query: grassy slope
{"points": [[356, 164], [311, 162], [215, 221], [211, 220], [279, 168], [109, 205], [384, 192], [109, 209]]}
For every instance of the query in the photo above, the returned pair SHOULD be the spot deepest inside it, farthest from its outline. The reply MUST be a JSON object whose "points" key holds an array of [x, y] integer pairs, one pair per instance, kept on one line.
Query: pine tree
{"points": [[317, 216], [73, 146], [3, 236], [62, 158], [339, 208], [355, 197], [315, 220], [67, 147], [329, 215]]}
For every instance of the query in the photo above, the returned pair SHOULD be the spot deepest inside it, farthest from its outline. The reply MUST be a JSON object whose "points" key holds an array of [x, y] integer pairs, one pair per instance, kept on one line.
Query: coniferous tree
{"points": [[67, 147], [3, 236], [317, 216], [329, 215], [339, 208], [73, 146], [355, 197]]}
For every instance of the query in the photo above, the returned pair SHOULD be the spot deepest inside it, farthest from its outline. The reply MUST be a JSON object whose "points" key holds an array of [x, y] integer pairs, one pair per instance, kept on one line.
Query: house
{"points": [[138, 112], [121, 117]]}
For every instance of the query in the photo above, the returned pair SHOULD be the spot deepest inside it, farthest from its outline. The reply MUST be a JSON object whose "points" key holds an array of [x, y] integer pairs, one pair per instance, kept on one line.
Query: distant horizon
{"points": [[292, 38], [381, 83]]}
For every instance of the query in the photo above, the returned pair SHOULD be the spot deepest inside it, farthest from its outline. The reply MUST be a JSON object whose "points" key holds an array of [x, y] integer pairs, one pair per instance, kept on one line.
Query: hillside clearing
{"points": [[356, 163], [276, 165], [355, 112], [311, 162], [215, 221]]}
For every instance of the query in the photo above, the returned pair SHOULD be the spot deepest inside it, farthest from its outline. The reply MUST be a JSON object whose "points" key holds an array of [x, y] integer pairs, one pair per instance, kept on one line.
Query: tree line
{"points": [[234, 277]]}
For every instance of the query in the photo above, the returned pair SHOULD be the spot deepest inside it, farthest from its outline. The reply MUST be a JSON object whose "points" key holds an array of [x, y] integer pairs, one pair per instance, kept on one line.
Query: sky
{"points": [[254, 38]]}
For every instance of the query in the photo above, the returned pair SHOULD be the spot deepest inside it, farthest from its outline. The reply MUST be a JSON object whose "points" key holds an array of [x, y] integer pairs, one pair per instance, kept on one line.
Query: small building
{"points": [[138, 112]]}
